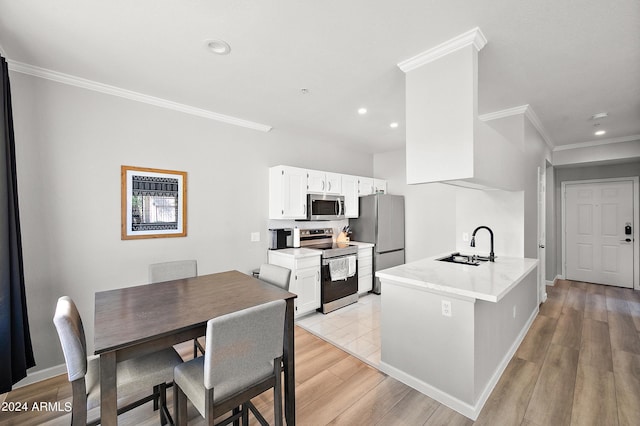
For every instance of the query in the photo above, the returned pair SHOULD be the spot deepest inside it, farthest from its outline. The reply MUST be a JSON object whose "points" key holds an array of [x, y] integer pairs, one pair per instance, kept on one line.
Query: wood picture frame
{"points": [[154, 203]]}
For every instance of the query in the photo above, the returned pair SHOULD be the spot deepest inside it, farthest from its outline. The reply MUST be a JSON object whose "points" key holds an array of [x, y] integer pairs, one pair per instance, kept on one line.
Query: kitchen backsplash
{"points": [[336, 225]]}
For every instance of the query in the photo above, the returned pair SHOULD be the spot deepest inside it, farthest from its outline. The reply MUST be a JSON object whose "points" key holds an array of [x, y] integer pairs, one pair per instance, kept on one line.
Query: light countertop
{"points": [[489, 281], [298, 252], [361, 245]]}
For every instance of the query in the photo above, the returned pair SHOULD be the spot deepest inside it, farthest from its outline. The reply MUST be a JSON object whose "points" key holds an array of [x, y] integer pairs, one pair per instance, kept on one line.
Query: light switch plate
{"points": [[446, 308], [255, 237]]}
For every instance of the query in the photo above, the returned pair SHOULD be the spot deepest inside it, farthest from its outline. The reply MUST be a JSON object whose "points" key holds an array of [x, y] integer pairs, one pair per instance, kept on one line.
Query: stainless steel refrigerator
{"points": [[381, 222]]}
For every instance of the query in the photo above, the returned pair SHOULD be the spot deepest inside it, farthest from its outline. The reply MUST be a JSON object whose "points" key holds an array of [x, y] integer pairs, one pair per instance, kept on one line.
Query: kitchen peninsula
{"points": [[449, 330]]}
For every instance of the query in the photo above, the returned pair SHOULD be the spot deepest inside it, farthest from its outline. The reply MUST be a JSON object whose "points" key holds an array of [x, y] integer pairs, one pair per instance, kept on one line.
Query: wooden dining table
{"points": [[134, 321]]}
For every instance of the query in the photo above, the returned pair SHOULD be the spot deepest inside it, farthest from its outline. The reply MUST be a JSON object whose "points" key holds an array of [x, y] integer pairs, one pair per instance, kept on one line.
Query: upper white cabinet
{"points": [[324, 182], [350, 192], [365, 186], [380, 186], [287, 193], [289, 186]]}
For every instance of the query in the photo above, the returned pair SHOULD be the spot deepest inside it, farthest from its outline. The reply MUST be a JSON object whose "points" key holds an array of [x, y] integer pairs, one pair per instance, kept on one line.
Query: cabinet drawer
{"points": [[307, 262], [365, 262]]}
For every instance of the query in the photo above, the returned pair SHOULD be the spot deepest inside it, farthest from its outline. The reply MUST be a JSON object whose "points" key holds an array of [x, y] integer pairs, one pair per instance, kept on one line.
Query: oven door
{"points": [[325, 207], [332, 291]]}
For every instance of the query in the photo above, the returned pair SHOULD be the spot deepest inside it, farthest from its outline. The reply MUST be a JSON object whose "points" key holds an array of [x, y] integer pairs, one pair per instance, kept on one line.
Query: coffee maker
{"points": [[283, 238]]}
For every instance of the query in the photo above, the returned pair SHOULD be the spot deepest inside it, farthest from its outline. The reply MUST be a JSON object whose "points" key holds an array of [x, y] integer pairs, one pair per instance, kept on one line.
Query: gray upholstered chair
{"points": [[276, 275], [242, 360], [134, 376], [176, 270]]}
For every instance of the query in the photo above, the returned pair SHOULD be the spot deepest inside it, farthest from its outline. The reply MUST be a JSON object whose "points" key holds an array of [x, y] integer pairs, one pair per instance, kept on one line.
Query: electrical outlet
{"points": [[465, 237], [514, 311], [446, 308], [255, 237]]}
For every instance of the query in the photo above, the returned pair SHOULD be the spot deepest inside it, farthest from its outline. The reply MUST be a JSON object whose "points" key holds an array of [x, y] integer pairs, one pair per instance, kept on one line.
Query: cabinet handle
{"points": [[304, 209], [323, 185], [318, 276], [329, 185]]}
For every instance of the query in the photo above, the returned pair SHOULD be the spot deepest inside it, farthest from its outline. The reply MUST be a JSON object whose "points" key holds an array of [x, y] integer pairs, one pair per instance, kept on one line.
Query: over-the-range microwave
{"points": [[325, 207]]}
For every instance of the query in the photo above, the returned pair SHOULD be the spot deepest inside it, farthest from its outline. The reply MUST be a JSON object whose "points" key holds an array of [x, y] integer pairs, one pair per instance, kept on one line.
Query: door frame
{"points": [[541, 245], [636, 221]]}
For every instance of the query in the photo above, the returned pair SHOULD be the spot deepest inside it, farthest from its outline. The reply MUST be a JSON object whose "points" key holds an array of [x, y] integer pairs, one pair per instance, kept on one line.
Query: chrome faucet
{"points": [[492, 256]]}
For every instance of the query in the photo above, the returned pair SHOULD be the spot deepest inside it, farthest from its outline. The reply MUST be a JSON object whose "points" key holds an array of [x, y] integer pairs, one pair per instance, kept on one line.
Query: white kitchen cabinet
{"points": [[305, 276], [365, 269], [350, 193], [315, 181], [380, 186], [287, 193], [365, 186], [324, 182], [334, 183]]}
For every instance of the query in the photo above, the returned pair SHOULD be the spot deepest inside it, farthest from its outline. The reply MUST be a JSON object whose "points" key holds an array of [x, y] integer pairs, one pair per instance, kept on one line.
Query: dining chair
{"points": [[134, 376], [276, 275], [176, 270], [242, 360]]}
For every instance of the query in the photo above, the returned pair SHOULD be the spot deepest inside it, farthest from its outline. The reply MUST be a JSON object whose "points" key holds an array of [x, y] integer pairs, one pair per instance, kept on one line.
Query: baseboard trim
{"points": [[464, 408], [40, 375]]}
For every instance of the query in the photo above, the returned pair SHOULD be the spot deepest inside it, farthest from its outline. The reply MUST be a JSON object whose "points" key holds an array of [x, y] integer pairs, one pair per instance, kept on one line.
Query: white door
{"points": [[596, 218]]}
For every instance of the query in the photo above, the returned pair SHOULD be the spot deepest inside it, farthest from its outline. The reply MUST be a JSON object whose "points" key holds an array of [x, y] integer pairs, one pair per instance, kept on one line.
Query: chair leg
{"points": [[235, 411], [156, 397], [245, 415], [163, 403], [277, 394], [180, 407]]}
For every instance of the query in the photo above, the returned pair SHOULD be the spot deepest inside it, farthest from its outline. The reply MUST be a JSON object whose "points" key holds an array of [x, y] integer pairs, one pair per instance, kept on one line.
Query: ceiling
{"points": [[567, 59]]}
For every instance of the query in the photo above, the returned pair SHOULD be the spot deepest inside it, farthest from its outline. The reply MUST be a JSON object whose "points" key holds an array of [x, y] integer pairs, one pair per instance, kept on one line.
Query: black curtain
{"points": [[16, 353]]}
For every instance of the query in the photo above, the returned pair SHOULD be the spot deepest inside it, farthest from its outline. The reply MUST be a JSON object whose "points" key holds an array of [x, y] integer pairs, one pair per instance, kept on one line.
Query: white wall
{"points": [[438, 214], [502, 211], [430, 209], [71, 143], [596, 154]]}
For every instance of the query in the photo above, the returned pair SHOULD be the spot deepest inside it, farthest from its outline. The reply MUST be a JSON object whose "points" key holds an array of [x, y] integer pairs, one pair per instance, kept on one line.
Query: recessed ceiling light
{"points": [[393, 125], [362, 111], [219, 47], [600, 133], [304, 91], [599, 115]]}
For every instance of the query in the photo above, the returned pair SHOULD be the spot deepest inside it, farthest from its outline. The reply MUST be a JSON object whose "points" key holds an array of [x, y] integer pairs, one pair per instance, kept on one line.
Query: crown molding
{"points": [[135, 96], [525, 110], [504, 113], [472, 37], [600, 142]]}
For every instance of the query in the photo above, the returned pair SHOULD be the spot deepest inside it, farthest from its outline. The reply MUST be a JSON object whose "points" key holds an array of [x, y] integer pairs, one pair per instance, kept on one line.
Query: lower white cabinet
{"points": [[305, 276], [365, 269]]}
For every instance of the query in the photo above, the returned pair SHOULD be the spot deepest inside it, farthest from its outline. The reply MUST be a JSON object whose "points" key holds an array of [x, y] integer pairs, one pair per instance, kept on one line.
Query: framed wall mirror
{"points": [[154, 203]]}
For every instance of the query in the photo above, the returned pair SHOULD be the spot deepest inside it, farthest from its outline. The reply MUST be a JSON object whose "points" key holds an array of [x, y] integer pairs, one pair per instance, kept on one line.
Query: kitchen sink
{"points": [[464, 259]]}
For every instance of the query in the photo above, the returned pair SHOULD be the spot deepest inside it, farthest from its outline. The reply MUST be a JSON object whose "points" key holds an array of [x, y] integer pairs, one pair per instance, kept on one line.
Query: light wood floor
{"points": [[578, 365]]}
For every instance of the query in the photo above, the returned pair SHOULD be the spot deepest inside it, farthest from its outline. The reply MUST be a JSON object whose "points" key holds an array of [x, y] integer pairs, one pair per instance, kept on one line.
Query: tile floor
{"points": [[354, 328]]}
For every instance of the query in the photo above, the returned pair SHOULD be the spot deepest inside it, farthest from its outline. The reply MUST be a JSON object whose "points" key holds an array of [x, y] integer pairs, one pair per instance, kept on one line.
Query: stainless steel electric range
{"points": [[339, 268]]}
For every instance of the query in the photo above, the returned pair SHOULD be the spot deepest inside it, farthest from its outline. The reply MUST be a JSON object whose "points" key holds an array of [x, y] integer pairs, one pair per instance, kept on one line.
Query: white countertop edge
{"points": [[297, 253], [444, 289], [426, 286], [361, 245]]}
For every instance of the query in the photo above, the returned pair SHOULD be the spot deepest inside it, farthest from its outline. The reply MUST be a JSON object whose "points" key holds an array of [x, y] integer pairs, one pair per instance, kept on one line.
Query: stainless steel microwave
{"points": [[325, 207]]}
